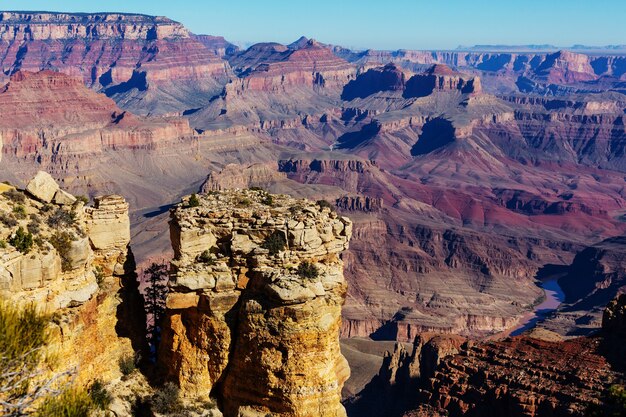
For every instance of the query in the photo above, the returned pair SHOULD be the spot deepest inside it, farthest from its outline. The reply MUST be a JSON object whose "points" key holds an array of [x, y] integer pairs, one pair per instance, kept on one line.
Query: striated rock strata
{"points": [[74, 269], [238, 313]]}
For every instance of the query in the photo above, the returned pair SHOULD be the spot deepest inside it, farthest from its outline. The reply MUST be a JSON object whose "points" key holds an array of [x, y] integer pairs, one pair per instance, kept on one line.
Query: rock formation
{"points": [[74, 268], [152, 58], [441, 78], [255, 295], [52, 117]]}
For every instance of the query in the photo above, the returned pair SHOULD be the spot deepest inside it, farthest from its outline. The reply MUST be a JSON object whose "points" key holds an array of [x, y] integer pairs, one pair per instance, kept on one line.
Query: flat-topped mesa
{"points": [[254, 309], [441, 78], [30, 26]]}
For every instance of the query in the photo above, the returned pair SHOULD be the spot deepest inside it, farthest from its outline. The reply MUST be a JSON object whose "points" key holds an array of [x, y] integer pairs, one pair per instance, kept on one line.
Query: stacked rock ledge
{"points": [[257, 328]]}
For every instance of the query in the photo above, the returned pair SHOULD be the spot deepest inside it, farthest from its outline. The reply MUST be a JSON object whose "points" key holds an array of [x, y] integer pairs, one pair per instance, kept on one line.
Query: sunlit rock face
{"points": [[242, 310]]}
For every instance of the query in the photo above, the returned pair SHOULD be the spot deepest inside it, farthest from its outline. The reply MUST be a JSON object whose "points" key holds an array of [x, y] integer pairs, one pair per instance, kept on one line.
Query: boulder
{"points": [[43, 187]]}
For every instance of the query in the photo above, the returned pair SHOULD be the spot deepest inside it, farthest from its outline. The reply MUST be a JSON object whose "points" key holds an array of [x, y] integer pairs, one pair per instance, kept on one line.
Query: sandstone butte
{"points": [[85, 288], [242, 323]]}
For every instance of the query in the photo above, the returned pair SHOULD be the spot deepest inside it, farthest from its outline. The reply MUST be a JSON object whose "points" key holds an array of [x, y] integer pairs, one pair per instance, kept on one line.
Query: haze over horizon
{"points": [[405, 24]]}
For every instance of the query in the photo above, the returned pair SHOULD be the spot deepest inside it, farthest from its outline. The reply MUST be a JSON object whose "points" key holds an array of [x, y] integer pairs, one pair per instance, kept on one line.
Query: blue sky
{"points": [[410, 24]]}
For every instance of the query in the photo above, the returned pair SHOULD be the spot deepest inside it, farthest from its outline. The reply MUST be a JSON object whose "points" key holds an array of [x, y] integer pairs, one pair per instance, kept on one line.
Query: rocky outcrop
{"points": [[276, 68], [256, 291], [388, 78], [521, 377], [236, 176], [217, 44], [566, 67], [441, 78], [74, 269], [402, 373]]}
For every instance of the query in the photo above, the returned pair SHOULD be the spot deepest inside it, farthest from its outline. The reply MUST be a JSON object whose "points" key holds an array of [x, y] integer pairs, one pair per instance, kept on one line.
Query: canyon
{"points": [[468, 178]]}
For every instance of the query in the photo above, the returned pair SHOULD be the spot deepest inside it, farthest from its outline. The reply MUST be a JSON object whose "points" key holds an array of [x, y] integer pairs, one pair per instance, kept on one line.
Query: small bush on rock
{"points": [[166, 400], [194, 201], [268, 200], [15, 196], [99, 395], [22, 240], [70, 403], [275, 243], [8, 220], [62, 242], [62, 218], [127, 364], [307, 270], [19, 211], [206, 258], [34, 227]]}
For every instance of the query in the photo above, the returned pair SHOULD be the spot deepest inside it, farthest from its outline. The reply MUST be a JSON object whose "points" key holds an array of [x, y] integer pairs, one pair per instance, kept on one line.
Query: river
{"points": [[554, 298]]}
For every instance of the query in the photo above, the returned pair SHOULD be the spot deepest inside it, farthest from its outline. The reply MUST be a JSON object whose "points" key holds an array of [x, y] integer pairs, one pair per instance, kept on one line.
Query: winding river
{"points": [[554, 298]]}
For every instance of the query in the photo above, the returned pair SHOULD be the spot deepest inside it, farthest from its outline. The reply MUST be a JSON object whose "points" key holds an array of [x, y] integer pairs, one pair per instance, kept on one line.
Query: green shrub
{"points": [[62, 218], [256, 189], [166, 400], [100, 396], [194, 201], [22, 240], [19, 211], [83, 199], [206, 258], [268, 200], [15, 196], [307, 270], [62, 242], [22, 330], [127, 364], [3, 244], [275, 243], [325, 204], [70, 403], [8, 220]]}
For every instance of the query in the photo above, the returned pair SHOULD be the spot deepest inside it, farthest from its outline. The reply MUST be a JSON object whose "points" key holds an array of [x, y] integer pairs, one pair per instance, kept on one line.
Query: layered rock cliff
{"points": [[256, 290], [154, 59], [69, 259]]}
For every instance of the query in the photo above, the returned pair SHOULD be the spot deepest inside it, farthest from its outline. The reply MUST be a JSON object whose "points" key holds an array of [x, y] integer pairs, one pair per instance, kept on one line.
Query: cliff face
{"points": [[51, 117], [115, 52], [237, 312], [73, 270]]}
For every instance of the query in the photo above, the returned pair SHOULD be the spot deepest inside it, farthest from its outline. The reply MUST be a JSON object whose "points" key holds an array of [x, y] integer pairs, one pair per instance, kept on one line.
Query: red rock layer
{"points": [[274, 67], [107, 50], [50, 114]]}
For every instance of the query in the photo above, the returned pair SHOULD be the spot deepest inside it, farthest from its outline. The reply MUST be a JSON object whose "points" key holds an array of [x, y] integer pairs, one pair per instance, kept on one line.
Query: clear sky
{"points": [[385, 24]]}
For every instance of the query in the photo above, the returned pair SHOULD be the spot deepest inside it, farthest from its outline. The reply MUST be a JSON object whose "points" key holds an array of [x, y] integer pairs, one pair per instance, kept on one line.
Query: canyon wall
{"points": [[154, 59], [256, 290]]}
